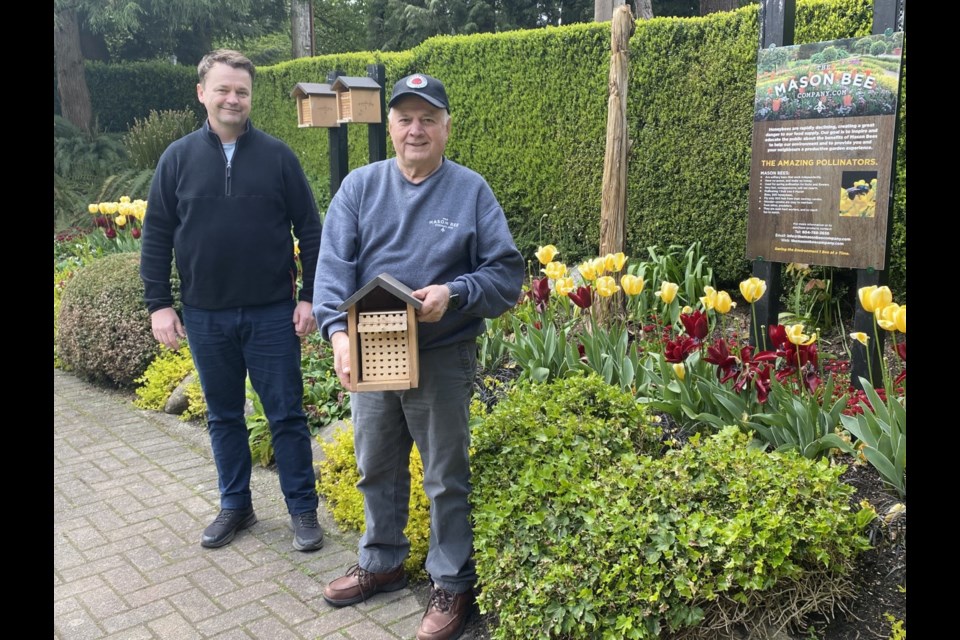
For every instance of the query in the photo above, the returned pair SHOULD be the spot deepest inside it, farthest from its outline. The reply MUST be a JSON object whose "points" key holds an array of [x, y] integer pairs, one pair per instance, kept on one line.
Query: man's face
{"points": [[226, 92], [419, 133]]}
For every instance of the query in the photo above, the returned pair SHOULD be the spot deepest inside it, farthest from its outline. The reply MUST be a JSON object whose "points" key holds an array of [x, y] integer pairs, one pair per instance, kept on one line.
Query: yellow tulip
{"points": [[686, 309], [109, 208], [723, 303], [668, 291], [860, 337], [901, 319], [710, 300], [887, 317], [555, 270], [564, 286], [546, 254], [614, 261], [587, 270], [607, 286], [679, 370], [600, 266], [93, 208], [796, 335], [632, 285], [873, 298], [752, 289], [121, 221]]}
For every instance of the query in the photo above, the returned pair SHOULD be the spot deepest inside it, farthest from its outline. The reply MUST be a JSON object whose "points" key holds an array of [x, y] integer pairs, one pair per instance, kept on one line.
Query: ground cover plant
{"points": [[586, 529]]}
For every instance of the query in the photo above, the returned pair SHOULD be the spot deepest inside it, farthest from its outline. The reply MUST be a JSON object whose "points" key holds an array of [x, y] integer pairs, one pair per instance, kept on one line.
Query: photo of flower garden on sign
{"points": [[840, 78]]}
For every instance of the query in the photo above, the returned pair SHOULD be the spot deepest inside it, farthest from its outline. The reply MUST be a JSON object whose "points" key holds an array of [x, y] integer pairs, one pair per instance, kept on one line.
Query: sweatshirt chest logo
{"points": [[443, 224]]}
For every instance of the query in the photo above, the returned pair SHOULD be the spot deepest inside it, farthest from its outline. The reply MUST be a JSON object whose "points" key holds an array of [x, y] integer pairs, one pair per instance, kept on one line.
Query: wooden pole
{"points": [[337, 139], [887, 14], [776, 28], [377, 132], [613, 206]]}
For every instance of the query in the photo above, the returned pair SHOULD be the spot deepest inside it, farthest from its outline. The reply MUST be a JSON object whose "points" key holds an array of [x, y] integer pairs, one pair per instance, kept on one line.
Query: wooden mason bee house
{"points": [[382, 326], [358, 99], [316, 105]]}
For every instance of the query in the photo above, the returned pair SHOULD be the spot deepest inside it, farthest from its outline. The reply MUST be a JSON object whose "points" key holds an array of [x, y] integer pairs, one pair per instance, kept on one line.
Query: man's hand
{"points": [[303, 321], [341, 357], [167, 328], [435, 300]]}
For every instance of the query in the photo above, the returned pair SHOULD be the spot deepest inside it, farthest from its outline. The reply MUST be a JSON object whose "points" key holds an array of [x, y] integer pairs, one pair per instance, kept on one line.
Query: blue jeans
{"points": [[225, 345], [435, 416]]}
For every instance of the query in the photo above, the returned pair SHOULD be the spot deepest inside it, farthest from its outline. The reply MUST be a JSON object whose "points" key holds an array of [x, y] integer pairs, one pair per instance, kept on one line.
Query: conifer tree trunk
{"points": [[301, 27], [71, 78]]}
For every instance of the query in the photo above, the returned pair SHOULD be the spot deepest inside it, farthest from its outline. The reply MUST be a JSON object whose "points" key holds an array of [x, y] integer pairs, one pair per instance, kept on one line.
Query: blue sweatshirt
{"points": [[229, 224], [449, 229]]}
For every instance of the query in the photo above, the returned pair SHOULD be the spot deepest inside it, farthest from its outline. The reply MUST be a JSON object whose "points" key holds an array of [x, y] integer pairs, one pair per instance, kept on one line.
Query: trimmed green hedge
{"points": [[529, 111], [122, 93]]}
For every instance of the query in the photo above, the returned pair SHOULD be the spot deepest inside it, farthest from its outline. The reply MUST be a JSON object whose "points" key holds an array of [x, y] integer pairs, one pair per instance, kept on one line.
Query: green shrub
{"points": [[337, 482], [147, 139], [104, 329], [580, 533], [61, 275], [164, 374], [196, 403]]}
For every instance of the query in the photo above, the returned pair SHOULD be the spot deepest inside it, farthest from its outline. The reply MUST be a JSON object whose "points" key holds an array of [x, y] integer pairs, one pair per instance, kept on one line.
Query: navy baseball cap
{"points": [[423, 86]]}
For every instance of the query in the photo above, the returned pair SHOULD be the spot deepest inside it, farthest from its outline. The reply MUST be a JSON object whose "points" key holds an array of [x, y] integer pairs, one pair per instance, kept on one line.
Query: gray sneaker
{"points": [[307, 534]]}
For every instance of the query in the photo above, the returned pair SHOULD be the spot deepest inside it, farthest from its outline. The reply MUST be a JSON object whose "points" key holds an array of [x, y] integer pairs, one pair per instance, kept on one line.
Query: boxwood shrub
{"points": [[584, 530], [104, 330]]}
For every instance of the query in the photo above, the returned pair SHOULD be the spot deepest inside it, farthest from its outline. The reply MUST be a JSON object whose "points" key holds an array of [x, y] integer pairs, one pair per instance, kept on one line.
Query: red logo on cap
{"points": [[417, 82]]}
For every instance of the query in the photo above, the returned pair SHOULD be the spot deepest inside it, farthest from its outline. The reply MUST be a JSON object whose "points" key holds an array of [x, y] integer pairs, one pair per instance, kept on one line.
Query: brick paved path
{"points": [[132, 492]]}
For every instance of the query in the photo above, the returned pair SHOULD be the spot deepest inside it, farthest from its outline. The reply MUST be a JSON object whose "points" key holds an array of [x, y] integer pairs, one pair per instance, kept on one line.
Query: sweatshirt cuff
{"points": [[333, 327]]}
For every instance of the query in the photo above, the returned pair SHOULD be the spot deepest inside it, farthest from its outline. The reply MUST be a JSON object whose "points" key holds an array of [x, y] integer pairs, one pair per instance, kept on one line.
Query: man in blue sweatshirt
{"points": [[435, 226], [224, 200]]}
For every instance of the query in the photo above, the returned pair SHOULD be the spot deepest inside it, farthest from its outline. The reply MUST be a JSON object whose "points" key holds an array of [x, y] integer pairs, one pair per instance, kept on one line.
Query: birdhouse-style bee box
{"points": [[316, 105], [382, 327], [358, 100]]}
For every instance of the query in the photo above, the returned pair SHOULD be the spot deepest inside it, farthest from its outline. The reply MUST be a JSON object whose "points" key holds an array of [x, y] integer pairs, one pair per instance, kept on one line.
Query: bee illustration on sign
{"points": [[858, 190], [858, 194]]}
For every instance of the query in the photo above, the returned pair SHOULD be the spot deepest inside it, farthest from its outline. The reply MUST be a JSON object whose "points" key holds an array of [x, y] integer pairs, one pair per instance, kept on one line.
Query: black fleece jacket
{"points": [[229, 225]]}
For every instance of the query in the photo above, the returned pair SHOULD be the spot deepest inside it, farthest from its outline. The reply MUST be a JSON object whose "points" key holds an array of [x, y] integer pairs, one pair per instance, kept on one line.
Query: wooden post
{"points": [[776, 28], [377, 132], [887, 14], [613, 206], [337, 138]]}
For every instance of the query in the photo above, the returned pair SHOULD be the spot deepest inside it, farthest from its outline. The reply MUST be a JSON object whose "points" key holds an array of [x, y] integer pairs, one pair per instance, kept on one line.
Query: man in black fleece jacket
{"points": [[223, 202]]}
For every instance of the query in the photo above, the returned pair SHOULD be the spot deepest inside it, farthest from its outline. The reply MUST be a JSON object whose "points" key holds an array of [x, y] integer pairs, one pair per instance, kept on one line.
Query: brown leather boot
{"points": [[446, 615], [359, 584]]}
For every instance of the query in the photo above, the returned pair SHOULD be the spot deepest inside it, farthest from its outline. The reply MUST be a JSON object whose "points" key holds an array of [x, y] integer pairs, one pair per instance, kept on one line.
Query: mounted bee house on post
{"points": [[358, 99], [382, 326], [316, 105]]}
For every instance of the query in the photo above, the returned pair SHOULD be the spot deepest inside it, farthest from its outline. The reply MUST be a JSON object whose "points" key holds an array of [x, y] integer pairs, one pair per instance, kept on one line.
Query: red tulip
{"points": [[695, 323], [582, 297], [677, 350]]}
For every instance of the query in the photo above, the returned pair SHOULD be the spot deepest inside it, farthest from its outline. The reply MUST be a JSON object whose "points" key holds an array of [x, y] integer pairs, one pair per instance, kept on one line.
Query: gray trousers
{"points": [[435, 416]]}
